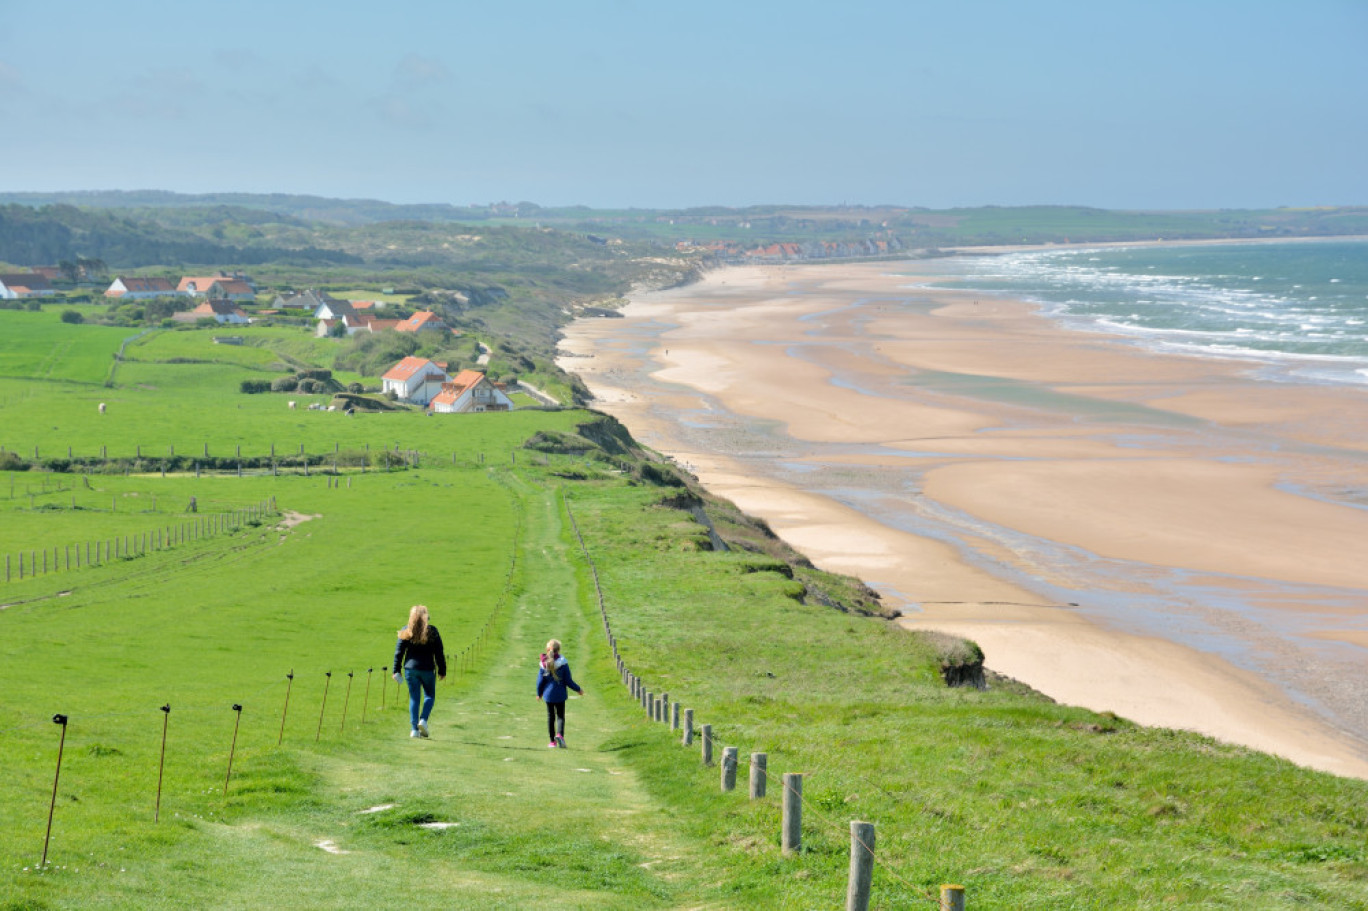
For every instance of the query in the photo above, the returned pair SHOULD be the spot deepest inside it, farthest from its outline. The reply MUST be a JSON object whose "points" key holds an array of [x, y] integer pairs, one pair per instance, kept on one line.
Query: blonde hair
{"points": [[553, 648], [417, 629]]}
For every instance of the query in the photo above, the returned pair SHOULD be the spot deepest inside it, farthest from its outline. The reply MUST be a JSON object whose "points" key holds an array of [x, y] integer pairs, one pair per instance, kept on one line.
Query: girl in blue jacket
{"points": [[553, 679]]}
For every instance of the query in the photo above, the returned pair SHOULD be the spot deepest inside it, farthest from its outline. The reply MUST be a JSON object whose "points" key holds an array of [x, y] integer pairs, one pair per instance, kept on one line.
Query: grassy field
{"points": [[332, 805]]}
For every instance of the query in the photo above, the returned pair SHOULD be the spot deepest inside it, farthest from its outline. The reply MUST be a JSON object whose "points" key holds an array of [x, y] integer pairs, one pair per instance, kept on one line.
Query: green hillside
{"points": [[511, 527]]}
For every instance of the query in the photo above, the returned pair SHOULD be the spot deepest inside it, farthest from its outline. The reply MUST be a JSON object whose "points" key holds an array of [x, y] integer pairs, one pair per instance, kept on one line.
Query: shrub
{"points": [[311, 387], [355, 388], [285, 384], [251, 387], [72, 316]]}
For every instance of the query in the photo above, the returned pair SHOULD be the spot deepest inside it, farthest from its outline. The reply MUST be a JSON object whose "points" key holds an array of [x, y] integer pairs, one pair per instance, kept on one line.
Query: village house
{"points": [[470, 391], [232, 289], [24, 284], [421, 321], [220, 311], [199, 285], [415, 379], [133, 288]]}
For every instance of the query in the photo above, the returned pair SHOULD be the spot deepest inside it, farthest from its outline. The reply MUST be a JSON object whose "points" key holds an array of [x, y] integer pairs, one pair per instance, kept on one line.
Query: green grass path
{"points": [[528, 826]]}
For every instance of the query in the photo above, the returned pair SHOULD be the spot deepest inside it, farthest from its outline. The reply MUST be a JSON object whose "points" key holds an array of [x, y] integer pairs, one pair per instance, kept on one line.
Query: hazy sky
{"points": [[1125, 104]]}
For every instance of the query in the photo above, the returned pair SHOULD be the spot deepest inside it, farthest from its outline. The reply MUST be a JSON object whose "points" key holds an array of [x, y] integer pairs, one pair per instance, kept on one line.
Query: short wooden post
{"points": [[674, 716], [687, 738], [757, 775], [951, 898], [791, 827], [646, 700], [861, 865], [664, 716], [729, 768], [707, 744]]}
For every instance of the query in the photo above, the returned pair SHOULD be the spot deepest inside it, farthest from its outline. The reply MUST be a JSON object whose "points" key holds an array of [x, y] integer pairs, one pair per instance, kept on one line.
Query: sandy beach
{"points": [[1163, 537]]}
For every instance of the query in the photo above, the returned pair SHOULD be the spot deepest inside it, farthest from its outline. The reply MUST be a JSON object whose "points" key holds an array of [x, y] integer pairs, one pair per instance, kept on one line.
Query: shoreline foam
{"points": [[785, 389]]}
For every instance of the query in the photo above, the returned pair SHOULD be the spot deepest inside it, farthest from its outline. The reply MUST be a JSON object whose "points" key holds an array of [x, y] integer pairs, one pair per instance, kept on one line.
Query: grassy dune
{"points": [[1027, 803]]}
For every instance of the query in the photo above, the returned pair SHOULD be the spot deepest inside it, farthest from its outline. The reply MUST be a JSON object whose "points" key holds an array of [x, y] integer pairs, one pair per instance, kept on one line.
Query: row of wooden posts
{"points": [[661, 709], [237, 708], [95, 553], [462, 661]]}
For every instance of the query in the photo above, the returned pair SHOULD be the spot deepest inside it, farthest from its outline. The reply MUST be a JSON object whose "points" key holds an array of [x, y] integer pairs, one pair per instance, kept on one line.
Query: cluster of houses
{"points": [[221, 296], [358, 316], [420, 381]]}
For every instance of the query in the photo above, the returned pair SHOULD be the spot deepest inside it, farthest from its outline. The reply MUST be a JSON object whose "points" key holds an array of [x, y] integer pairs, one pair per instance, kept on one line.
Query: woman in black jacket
{"points": [[419, 652]]}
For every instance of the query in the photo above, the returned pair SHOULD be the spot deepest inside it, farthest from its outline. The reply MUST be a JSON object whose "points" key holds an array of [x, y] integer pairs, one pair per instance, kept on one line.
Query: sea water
{"points": [[1298, 310]]}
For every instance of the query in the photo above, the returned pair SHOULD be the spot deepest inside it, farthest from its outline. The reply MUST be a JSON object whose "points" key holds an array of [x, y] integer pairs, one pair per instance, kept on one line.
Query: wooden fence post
{"points": [[791, 827], [729, 768], [707, 744], [951, 898], [861, 865], [674, 716], [757, 775], [687, 738]]}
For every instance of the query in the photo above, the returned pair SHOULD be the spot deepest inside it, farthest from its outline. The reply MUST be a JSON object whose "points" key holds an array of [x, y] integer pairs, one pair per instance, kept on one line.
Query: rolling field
{"points": [[331, 805]]}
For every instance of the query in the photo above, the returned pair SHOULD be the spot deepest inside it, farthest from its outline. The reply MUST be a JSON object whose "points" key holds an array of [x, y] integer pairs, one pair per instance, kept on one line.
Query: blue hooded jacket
{"points": [[551, 690]]}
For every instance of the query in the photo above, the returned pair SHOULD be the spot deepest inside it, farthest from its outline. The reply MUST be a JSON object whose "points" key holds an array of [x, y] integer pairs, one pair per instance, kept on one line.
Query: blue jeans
{"points": [[421, 684]]}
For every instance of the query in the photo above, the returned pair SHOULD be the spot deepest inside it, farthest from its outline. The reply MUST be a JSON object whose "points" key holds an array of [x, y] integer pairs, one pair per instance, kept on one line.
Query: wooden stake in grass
{"points": [[951, 898], [757, 774], [861, 865], [345, 703], [52, 807], [237, 707], [366, 701], [324, 707], [384, 688], [729, 768], [791, 826], [707, 740], [289, 684], [161, 766]]}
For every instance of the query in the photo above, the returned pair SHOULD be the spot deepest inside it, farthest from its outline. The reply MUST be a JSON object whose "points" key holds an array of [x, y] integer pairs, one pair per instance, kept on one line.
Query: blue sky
{"points": [[1215, 104]]}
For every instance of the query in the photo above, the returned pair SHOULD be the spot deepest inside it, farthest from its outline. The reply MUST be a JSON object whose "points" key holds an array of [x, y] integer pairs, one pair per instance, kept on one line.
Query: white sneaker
{"points": [[422, 729], [414, 734]]}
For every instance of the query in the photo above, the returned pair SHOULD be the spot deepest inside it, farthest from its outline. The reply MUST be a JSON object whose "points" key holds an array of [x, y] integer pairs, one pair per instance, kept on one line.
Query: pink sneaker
{"points": [[551, 745]]}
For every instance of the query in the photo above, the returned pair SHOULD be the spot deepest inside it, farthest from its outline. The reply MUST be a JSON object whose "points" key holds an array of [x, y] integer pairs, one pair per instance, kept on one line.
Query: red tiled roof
{"points": [[423, 319], [202, 282], [406, 368]]}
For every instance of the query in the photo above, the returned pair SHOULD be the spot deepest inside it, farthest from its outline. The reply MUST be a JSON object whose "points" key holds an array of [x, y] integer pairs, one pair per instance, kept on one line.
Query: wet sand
{"points": [[1163, 537]]}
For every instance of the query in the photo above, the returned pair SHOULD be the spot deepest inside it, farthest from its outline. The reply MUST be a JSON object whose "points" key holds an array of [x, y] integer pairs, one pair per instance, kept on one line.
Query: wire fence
{"points": [[661, 707]]}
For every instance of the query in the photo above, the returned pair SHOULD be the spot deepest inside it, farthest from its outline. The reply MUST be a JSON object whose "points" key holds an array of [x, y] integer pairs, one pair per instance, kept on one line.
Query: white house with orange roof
{"points": [[420, 321], [415, 379], [470, 390]]}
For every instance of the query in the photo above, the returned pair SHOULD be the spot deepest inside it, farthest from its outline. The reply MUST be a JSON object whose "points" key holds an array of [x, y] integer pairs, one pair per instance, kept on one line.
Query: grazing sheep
{"points": [[292, 406], [102, 408], [332, 407]]}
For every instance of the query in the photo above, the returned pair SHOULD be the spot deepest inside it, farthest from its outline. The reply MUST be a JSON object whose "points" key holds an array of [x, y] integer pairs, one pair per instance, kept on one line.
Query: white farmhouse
{"points": [[415, 379], [134, 288], [470, 390], [24, 284]]}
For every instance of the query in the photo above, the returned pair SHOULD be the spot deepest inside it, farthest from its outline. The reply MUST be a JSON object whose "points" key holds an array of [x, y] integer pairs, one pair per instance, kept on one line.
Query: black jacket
{"points": [[422, 656]]}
